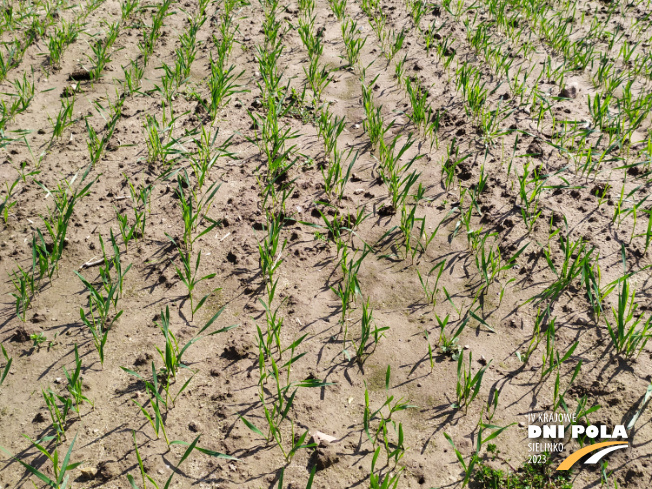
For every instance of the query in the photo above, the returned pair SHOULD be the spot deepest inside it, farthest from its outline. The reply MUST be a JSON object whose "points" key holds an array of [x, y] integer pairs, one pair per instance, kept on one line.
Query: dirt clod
{"points": [[21, 335], [108, 470], [39, 418], [568, 92], [237, 350], [325, 457], [386, 210], [143, 359], [535, 149], [80, 75], [38, 318]]}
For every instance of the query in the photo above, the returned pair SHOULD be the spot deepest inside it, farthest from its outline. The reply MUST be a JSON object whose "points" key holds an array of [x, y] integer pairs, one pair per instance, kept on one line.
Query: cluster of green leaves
{"points": [[529, 476]]}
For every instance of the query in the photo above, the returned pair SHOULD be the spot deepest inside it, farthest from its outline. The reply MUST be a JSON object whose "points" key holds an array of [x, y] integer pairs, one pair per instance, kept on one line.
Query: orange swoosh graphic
{"points": [[574, 457]]}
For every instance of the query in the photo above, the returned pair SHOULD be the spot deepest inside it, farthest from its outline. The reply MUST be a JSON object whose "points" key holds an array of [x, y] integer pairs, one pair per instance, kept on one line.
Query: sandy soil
{"points": [[225, 367]]}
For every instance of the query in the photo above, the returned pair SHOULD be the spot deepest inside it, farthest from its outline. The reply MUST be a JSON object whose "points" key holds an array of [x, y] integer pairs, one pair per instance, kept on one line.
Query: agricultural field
{"points": [[327, 244]]}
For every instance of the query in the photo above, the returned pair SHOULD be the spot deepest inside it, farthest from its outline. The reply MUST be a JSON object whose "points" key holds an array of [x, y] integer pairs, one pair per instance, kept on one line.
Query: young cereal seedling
{"points": [[8, 361], [207, 154], [61, 473], [449, 344], [353, 44], [24, 290], [133, 74], [160, 143], [475, 457], [140, 202], [188, 275], [536, 335], [126, 230], [368, 330], [156, 400], [575, 256], [143, 474], [194, 210], [222, 86], [57, 220], [318, 78], [128, 7], [173, 353], [63, 35], [98, 319], [75, 384], [389, 480], [349, 287], [24, 92], [59, 417], [6, 205], [38, 339], [394, 450], [558, 396], [339, 8], [64, 118], [468, 385], [431, 294], [490, 263], [278, 409], [270, 249], [628, 338], [310, 479]]}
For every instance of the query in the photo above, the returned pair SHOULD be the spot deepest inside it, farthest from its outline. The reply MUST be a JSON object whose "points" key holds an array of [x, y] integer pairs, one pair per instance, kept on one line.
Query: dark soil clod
{"points": [[79, 75], [324, 457]]}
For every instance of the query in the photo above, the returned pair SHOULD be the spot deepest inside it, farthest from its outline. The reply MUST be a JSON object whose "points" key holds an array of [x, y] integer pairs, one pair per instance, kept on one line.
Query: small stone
{"points": [[358, 191], [88, 473], [466, 347], [322, 439]]}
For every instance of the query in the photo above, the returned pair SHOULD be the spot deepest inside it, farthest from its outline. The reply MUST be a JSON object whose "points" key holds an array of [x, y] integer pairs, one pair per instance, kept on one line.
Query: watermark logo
{"points": [[602, 449], [554, 426]]}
